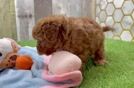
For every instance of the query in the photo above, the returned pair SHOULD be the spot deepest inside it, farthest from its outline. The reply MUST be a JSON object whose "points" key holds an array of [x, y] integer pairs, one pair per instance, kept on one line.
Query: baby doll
{"points": [[9, 57], [63, 66], [63, 62], [6, 47]]}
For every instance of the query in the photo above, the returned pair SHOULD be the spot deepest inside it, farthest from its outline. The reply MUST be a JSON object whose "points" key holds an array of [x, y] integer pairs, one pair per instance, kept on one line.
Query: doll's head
{"points": [[7, 46], [63, 62]]}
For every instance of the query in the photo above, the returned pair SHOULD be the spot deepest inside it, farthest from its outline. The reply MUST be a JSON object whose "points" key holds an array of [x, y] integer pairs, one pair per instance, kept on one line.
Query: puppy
{"points": [[80, 36]]}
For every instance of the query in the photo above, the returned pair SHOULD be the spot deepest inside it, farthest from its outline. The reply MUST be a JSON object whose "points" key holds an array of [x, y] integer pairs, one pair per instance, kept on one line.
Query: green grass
{"points": [[117, 73], [27, 43]]}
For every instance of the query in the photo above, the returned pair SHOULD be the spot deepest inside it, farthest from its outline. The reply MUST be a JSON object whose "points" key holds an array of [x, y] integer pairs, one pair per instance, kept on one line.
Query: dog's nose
{"points": [[39, 50], [40, 53]]}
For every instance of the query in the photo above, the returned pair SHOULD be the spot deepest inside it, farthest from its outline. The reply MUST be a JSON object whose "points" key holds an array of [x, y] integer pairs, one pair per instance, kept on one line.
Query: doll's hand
{"points": [[9, 61]]}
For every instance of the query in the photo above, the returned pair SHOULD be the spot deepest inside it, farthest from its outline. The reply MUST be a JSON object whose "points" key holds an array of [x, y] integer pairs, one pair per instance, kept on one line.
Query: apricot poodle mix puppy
{"points": [[81, 36]]}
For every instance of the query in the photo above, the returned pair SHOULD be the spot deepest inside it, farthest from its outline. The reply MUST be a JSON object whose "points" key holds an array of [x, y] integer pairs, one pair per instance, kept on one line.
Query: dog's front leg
{"points": [[99, 56]]}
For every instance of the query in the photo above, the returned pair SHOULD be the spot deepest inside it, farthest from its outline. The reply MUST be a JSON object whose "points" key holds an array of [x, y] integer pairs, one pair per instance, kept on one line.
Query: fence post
{"points": [[24, 18], [42, 8]]}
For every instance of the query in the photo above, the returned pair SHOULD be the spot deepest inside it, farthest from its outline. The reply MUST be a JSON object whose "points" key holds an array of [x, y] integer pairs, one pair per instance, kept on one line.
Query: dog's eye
{"points": [[0, 54]]}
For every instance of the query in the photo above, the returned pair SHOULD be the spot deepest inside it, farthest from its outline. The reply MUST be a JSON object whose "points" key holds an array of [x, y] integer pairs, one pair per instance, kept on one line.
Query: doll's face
{"points": [[5, 48], [2, 55]]}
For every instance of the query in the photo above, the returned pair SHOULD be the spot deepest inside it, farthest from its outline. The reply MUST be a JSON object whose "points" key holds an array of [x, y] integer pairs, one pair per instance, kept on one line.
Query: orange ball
{"points": [[24, 62]]}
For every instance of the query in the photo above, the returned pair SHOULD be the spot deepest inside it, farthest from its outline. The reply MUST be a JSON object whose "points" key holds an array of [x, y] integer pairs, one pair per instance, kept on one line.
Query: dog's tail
{"points": [[107, 28]]}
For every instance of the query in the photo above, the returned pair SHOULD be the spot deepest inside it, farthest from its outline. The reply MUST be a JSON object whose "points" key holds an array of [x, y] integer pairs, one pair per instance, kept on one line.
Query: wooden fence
{"points": [[7, 19], [19, 16]]}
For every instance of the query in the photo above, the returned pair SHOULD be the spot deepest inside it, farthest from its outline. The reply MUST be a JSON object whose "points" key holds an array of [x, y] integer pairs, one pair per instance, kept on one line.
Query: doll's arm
{"points": [[9, 61]]}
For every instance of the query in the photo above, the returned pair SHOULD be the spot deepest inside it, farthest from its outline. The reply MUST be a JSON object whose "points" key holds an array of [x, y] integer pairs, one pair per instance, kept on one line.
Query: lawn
{"points": [[117, 73]]}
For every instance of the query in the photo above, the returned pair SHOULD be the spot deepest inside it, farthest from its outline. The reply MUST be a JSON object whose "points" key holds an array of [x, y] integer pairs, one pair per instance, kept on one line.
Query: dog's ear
{"points": [[62, 32], [50, 29], [53, 31], [50, 32], [36, 32]]}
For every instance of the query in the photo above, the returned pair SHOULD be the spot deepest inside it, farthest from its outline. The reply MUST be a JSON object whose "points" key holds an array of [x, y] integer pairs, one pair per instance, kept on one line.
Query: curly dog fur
{"points": [[81, 36]]}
